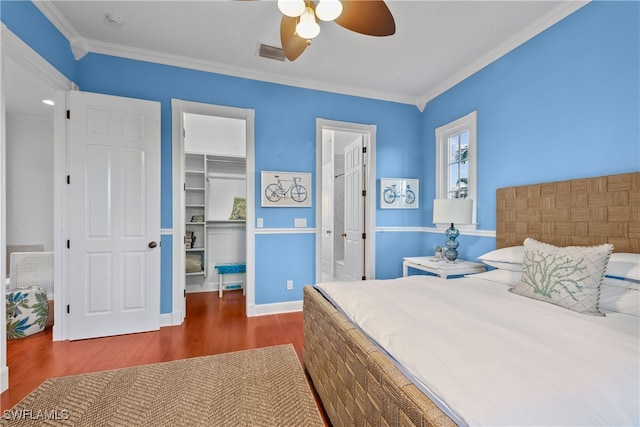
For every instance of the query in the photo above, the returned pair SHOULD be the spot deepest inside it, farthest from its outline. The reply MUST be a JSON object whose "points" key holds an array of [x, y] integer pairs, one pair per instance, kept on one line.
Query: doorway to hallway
{"points": [[346, 200]]}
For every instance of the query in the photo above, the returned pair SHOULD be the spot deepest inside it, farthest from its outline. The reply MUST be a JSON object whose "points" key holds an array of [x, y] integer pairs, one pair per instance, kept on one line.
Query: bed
{"points": [[362, 382]]}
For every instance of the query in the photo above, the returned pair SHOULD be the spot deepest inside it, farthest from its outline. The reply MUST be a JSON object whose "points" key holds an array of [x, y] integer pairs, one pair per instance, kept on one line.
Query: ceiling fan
{"points": [[300, 20]]}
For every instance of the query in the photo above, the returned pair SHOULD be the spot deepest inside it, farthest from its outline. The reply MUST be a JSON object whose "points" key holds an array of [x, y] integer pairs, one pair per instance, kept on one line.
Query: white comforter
{"points": [[490, 357]]}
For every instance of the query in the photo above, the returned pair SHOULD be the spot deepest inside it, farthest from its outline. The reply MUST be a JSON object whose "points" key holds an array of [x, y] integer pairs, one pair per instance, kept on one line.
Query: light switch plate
{"points": [[259, 222], [300, 222]]}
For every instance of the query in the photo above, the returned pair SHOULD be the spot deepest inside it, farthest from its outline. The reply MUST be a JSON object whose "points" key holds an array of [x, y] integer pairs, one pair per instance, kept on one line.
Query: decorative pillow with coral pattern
{"points": [[570, 277]]}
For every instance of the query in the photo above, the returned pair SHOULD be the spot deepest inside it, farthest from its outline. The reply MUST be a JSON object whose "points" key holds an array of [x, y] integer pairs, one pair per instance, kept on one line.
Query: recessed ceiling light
{"points": [[48, 102]]}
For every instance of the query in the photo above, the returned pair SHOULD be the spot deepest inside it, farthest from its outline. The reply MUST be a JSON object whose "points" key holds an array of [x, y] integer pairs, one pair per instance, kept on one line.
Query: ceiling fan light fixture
{"points": [[308, 28], [328, 10], [292, 8]]}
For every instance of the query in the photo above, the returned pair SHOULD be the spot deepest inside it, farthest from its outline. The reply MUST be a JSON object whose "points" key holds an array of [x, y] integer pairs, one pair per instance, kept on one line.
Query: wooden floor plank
{"points": [[213, 325]]}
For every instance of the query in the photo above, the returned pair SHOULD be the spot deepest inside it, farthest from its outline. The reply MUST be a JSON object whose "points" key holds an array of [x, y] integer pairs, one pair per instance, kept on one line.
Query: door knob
{"points": [[152, 245], [328, 231], [344, 234]]}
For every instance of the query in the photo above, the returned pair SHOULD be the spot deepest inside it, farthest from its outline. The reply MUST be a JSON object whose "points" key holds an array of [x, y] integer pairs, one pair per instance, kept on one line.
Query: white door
{"points": [[114, 215], [327, 218], [354, 210]]}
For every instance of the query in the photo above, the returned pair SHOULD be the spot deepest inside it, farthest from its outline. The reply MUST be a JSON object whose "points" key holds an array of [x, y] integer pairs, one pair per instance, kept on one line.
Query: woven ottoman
{"points": [[27, 311]]}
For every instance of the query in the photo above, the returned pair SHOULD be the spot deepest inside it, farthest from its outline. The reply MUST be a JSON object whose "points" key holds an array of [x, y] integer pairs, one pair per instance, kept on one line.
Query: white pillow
{"points": [[503, 277], [624, 265], [505, 258], [570, 277], [620, 296], [503, 265]]}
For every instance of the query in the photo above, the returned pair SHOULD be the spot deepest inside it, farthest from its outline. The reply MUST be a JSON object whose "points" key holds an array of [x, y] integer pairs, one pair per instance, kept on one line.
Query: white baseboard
{"points": [[213, 287], [206, 287], [170, 319], [276, 308]]}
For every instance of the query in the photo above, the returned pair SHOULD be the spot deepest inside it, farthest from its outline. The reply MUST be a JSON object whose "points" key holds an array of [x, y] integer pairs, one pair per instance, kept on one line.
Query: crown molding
{"points": [[81, 47], [17, 49], [52, 13], [213, 67], [77, 43], [556, 15]]}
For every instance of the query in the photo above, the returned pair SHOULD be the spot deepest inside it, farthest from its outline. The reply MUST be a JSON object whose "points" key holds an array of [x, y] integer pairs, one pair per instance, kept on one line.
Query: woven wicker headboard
{"points": [[578, 212]]}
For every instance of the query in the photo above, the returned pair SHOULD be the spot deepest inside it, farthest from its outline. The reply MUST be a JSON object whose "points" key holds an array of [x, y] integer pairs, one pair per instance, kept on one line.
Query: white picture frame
{"points": [[399, 193], [285, 189]]}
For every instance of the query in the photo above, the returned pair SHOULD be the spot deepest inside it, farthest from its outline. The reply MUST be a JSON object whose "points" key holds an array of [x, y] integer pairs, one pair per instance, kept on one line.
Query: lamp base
{"points": [[451, 254]]}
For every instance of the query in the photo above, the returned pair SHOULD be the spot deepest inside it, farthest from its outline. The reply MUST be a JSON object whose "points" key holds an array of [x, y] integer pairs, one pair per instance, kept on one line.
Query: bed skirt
{"points": [[357, 383]]}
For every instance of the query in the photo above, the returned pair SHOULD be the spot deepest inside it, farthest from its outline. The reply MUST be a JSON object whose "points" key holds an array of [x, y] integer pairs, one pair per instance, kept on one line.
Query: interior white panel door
{"points": [[354, 210], [327, 218], [114, 215]]}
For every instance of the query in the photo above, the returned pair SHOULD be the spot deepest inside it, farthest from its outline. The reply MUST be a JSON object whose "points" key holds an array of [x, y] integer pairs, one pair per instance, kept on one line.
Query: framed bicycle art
{"points": [[285, 189], [399, 193]]}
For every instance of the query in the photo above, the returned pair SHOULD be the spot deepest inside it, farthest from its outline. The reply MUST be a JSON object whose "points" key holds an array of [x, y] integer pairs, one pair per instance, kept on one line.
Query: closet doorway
{"points": [[345, 169], [213, 204]]}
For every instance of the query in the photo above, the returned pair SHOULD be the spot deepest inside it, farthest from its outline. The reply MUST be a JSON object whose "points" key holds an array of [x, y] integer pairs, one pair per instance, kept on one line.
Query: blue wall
{"points": [[26, 22], [563, 105], [285, 125], [284, 139]]}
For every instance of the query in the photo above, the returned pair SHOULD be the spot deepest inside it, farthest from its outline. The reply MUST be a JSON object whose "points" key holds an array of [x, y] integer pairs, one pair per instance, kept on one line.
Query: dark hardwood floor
{"points": [[213, 325]]}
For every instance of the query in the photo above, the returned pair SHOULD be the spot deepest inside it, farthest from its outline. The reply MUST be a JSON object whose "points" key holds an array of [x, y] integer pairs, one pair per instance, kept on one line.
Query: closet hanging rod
{"points": [[227, 160]]}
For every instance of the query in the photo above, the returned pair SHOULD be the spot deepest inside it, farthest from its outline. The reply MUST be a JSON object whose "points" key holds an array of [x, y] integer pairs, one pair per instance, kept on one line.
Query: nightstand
{"points": [[441, 268]]}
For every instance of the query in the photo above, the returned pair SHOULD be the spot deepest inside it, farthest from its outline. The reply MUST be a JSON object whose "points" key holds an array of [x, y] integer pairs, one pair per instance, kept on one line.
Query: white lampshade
{"points": [[308, 28], [292, 8], [457, 211], [328, 10]]}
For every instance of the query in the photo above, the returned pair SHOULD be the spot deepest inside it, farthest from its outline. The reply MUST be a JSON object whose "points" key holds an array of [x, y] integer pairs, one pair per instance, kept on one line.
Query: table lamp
{"points": [[459, 211]]}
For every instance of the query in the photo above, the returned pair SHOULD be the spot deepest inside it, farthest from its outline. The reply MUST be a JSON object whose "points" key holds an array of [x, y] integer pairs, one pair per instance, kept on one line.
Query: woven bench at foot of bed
{"points": [[357, 383]]}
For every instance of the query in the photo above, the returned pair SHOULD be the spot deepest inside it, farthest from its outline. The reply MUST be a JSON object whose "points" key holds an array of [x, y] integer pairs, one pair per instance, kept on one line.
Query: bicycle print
{"points": [[286, 188], [398, 193], [391, 194]]}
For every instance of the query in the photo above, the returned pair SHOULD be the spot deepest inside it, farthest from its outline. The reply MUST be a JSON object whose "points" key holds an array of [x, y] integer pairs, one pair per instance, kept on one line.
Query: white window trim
{"points": [[468, 123]]}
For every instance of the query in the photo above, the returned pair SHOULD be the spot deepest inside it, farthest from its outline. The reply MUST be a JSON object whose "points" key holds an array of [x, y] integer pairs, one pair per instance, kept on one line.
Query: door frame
{"points": [[178, 108], [16, 49], [370, 184]]}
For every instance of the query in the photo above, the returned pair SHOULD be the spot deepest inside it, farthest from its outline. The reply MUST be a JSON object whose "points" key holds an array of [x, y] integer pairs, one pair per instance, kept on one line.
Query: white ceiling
{"points": [[437, 43]]}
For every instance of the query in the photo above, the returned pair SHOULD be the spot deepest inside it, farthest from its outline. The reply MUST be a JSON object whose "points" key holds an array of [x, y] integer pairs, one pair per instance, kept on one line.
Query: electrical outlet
{"points": [[289, 285], [300, 222]]}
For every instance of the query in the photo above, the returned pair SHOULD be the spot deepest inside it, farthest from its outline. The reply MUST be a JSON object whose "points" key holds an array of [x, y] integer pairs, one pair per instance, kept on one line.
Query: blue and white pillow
{"points": [[570, 277]]}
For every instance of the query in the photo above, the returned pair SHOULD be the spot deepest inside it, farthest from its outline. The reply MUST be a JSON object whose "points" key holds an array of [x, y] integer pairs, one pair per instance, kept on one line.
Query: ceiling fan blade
{"points": [[369, 17], [292, 45]]}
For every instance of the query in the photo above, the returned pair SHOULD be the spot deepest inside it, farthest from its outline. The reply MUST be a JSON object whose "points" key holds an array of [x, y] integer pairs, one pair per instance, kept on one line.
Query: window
{"points": [[456, 161]]}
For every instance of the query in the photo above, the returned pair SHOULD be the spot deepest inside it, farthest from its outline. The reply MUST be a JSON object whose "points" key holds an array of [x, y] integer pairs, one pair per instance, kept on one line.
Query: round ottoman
{"points": [[27, 311]]}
